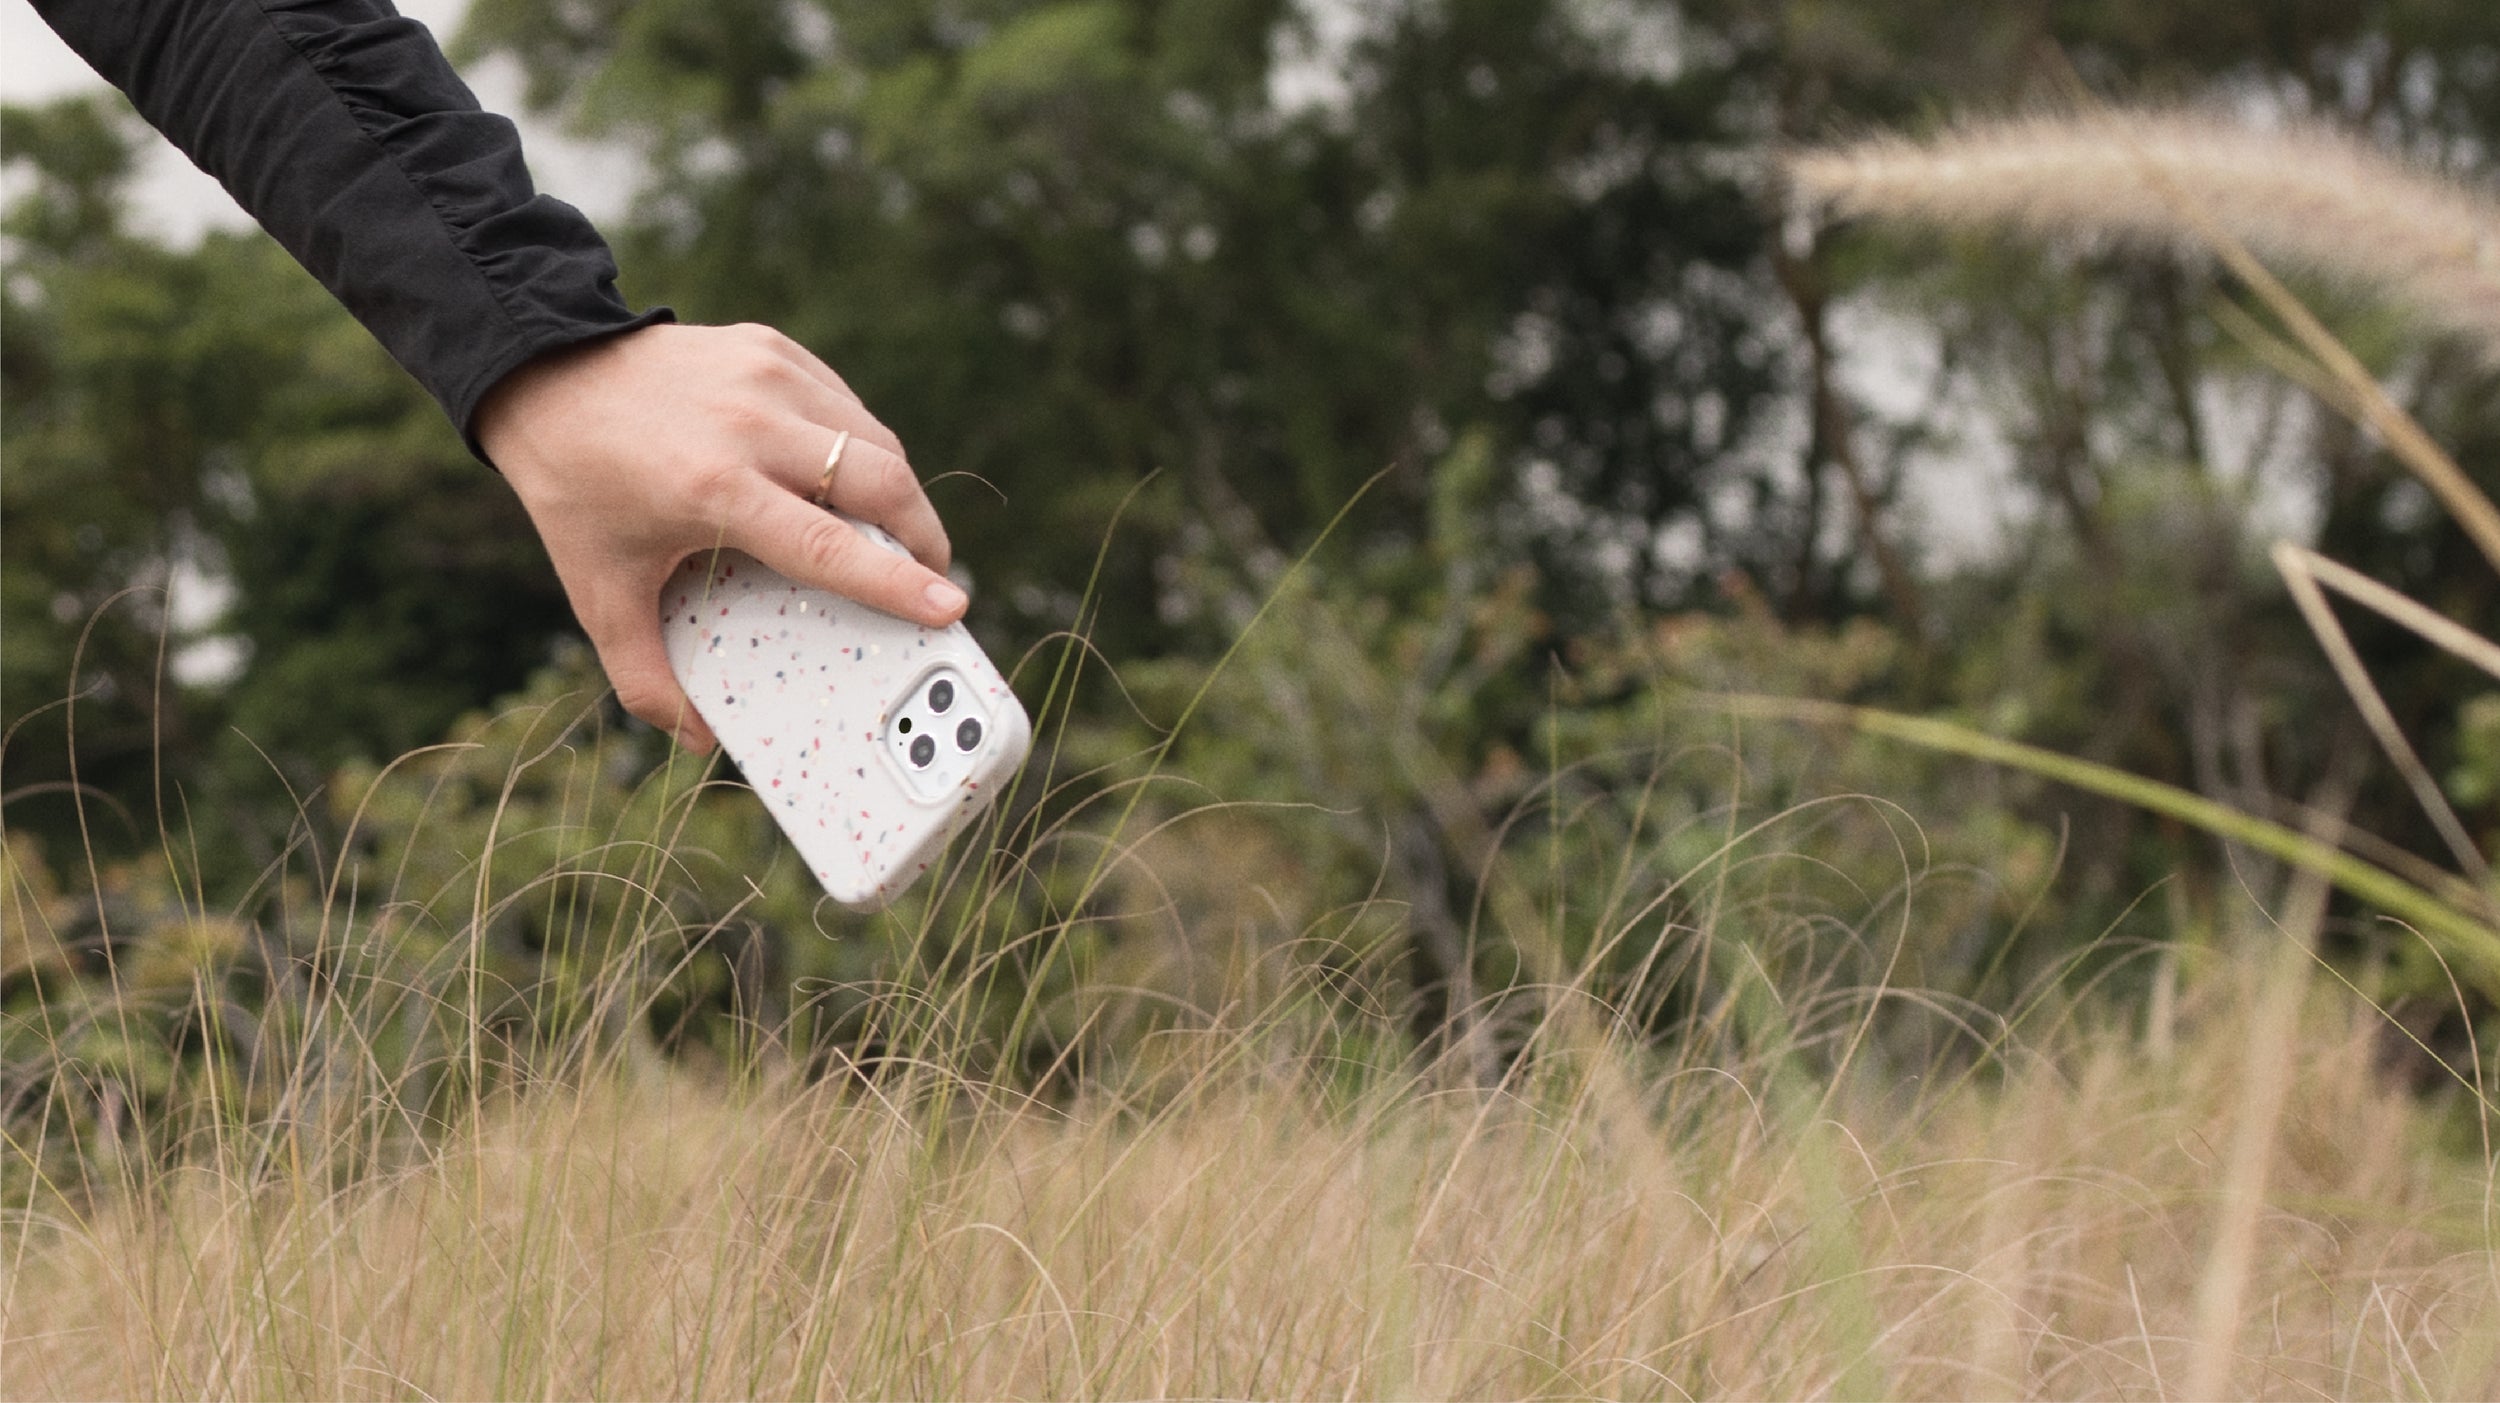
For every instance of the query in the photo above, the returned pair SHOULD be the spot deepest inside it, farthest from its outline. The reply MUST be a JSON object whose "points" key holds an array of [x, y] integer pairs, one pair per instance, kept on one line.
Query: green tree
{"points": [[209, 413]]}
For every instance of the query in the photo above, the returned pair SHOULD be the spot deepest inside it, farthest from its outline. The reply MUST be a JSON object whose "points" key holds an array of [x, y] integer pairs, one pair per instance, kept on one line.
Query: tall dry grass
{"points": [[1239, 1224]]}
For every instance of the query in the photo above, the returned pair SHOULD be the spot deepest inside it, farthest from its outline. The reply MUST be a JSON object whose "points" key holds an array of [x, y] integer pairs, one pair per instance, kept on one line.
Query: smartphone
{"points": [[871, 740]]}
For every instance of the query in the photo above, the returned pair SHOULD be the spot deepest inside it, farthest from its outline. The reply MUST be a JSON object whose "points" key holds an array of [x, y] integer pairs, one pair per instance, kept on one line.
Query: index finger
{"points": [[815, 547]]}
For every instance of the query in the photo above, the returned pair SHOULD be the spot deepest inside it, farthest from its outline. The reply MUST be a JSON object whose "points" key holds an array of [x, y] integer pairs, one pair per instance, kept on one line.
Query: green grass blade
{"points": [[2467, 943]]}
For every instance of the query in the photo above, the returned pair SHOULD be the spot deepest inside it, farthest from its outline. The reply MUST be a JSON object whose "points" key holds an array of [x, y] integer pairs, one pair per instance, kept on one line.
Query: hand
{"points": [[634, 452]]}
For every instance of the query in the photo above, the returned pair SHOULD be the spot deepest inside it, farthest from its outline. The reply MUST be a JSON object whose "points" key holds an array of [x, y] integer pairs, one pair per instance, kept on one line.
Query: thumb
{"points": [[631, 653]]}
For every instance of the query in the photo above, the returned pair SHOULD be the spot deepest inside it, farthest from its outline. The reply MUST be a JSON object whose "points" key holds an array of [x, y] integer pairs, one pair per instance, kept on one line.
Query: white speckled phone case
{"points": [[804, 689]]}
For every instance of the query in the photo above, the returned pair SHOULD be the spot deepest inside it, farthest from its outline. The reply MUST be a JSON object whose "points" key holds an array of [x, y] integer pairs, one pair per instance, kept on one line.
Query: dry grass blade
{"points": [[2273, 1042], [2287, 360], [2306, 574], [2393, 605]]}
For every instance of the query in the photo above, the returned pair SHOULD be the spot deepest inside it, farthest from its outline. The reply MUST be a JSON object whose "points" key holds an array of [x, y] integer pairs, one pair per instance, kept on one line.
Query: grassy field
{"points": [[2243, 1206], [469, 1094]]}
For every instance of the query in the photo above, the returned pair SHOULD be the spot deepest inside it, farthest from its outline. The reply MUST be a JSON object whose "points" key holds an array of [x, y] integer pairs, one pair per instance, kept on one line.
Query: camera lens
{"points": [[968, 734], [941, 695], [923, 751]]}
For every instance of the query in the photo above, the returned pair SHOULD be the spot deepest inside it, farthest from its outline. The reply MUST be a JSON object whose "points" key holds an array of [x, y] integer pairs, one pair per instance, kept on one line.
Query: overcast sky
{"points": [[176, 200]]}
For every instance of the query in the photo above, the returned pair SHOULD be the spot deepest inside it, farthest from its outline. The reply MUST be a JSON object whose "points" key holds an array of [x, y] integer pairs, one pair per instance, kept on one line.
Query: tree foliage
{"points": [[1510, 276]]}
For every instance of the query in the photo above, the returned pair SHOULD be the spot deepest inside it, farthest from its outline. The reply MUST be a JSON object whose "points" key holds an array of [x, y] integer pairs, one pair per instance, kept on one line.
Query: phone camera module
{"points": [[923, 751], [967, 735], [941, 695]]}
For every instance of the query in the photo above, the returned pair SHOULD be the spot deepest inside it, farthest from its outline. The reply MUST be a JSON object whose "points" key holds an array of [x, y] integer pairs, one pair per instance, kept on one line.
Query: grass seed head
{"points": [[2301, 196]]}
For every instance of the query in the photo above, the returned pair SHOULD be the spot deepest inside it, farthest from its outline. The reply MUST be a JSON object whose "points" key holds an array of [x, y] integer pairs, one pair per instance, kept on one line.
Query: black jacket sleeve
{"points": [[340, 126]]}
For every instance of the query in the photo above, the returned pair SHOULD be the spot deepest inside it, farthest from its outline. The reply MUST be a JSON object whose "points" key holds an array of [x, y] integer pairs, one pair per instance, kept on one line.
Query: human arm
{"points": [[342, 129]]}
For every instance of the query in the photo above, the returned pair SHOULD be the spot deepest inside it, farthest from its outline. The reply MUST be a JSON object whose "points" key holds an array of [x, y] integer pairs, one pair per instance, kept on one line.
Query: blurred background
{"points": [[1152, 290]]}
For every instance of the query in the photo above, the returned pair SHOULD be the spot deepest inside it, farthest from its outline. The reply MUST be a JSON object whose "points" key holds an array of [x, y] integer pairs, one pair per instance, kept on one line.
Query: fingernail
{"points": [[943, 597]]}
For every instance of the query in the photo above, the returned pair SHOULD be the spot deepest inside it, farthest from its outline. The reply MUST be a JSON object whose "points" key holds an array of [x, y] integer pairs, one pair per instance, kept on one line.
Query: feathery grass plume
{"points": [[2302, 197]]}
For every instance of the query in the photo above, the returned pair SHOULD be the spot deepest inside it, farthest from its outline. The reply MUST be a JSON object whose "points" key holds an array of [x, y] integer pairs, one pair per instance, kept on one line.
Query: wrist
{"points": [[501, 426]]}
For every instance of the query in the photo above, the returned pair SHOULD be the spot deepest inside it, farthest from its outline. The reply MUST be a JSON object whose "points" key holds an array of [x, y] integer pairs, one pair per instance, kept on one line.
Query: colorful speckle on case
{"points": [[881, 835]]}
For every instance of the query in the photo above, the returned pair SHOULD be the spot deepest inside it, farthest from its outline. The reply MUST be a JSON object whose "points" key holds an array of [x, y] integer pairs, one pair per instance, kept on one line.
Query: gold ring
{"points": [[833, 464]]}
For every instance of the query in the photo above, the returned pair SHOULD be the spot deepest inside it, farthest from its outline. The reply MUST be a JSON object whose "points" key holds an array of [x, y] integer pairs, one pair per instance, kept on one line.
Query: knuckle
{"points": [[745, 416], [902, 577], [713, 488], [890, 480], [772, 350], [644, 697], [875, 431], [761, 366], [829, 547]]}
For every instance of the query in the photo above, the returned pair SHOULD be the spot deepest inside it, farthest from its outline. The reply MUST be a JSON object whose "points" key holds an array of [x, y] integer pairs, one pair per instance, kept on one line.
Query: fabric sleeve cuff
{"points": [[462, 404]]}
